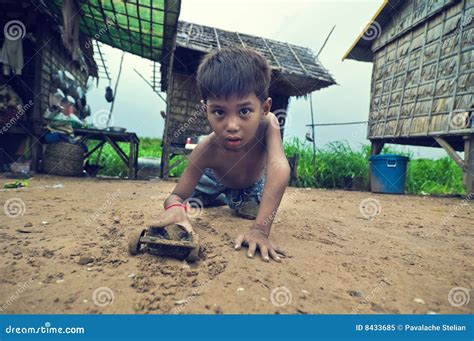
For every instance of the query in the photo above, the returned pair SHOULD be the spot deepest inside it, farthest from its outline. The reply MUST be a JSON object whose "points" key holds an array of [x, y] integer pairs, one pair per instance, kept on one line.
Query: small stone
{"points": [[85, 260], [432, 312], [85, 301], [355, 293], [180, 302], [419, 300], [240, 289], [60, 280], [116, 220], [28, 224], [44, 223], [131, 275]]}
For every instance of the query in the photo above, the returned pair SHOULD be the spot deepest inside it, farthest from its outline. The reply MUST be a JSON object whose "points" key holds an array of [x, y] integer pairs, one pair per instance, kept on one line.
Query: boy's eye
{"points": [[218, 113], [245, 111]]}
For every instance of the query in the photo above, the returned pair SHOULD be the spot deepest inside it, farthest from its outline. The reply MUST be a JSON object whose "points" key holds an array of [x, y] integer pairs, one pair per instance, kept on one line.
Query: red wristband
{"points": [[175, 205]]}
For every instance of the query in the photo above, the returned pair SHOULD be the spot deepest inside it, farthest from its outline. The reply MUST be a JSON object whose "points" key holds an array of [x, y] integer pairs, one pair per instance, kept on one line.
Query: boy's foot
{"points": [[248, 210]]}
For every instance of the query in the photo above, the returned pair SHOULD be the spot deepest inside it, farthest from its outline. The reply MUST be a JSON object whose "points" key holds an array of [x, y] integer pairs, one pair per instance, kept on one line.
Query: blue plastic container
{"points": [[388, 173]]}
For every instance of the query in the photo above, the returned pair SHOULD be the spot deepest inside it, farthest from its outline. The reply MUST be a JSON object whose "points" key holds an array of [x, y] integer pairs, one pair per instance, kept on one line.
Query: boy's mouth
{"points": [[233, 141]]}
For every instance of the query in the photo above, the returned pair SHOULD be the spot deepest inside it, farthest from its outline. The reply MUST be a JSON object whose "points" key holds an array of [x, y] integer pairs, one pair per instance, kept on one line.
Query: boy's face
{"points": [[235, 120]]}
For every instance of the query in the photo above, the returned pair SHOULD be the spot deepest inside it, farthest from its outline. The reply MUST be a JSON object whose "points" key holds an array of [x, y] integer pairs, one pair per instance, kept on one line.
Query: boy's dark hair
{"points": [[233, 70]]}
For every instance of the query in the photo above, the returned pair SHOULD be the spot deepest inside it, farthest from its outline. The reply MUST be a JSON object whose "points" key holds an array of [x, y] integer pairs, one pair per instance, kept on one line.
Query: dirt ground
{"points": [[63, 249]]}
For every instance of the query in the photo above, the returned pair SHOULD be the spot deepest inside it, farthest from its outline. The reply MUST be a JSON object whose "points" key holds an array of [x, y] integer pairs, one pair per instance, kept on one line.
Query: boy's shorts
{"points": [[209, 190]]}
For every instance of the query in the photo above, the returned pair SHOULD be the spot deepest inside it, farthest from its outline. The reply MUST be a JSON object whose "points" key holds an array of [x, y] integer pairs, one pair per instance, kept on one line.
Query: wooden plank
{"points": [[451, 152], [469, 163]]}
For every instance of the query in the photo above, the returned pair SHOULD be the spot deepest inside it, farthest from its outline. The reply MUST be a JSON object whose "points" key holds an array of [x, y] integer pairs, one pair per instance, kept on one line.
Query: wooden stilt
{"points": [[469, 164], [375, 149]]}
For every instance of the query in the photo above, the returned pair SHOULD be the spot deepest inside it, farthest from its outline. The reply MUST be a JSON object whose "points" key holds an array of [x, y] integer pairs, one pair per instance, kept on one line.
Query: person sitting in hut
{"points": [[242, 162]]}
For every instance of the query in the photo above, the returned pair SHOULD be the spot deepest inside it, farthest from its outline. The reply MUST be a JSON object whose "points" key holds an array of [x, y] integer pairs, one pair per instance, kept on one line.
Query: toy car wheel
{"points": [[194, 254], [134, 245]]}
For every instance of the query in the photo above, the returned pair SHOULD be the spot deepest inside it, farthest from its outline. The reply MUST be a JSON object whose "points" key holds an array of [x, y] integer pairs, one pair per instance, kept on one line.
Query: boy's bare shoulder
{"points": [[205, 149]]}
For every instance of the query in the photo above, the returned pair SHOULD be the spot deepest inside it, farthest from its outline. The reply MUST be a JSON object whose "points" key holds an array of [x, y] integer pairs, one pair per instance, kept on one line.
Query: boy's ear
{"points": [[266, 106]]}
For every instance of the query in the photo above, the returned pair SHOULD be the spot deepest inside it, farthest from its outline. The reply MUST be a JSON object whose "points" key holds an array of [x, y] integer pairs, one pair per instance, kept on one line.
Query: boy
{"points": [[242, 157]]}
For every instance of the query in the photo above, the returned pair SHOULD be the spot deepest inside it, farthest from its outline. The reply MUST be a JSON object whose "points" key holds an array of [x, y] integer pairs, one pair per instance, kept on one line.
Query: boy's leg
{"points": [[209, 190], [246, 202]]}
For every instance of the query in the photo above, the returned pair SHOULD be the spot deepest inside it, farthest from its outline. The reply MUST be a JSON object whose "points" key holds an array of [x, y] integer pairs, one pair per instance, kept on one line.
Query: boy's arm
{"points": [[277, 175], [186, 184]]}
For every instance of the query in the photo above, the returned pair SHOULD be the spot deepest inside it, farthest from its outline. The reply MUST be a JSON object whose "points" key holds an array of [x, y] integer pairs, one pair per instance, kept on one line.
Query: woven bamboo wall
{"points": [[423, 81], [184, 115]]}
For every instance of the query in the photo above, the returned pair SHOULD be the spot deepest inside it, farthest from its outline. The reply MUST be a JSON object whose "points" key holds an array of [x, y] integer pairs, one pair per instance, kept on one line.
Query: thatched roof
{"points": [[296, 70], [375, 34]]}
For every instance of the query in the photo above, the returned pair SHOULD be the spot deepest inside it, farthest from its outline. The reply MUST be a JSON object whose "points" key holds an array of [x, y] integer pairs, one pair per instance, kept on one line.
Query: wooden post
{"points": [[469, 164], [36, 119], [375, 149]]}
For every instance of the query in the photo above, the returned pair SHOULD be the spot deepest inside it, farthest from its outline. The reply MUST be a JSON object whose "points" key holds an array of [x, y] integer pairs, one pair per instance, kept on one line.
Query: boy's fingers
{"points": [[252, 248], [238, 241], [163, 222], [187, 228], [280, 251], [264, 253], [275, 255]]}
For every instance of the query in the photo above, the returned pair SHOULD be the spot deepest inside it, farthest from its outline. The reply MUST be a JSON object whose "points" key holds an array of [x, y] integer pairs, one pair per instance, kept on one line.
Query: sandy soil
{"points": [[66, 252]]}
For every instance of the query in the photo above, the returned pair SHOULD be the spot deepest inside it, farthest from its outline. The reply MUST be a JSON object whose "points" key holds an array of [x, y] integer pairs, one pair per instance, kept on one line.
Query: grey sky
{"points": [[300, 22]]}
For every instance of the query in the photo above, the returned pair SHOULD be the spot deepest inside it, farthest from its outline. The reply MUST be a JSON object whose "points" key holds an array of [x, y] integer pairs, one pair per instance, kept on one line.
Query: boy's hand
{"points": [[174, 215], [254, 238]]}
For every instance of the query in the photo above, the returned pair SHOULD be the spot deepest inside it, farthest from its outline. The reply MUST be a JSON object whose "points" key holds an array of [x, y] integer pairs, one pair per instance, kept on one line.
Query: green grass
{"points": [[335, 164]]}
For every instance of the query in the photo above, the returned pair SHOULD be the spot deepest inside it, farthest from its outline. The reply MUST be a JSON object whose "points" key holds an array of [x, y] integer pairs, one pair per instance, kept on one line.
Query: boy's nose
{"points": [[232, 125]]}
